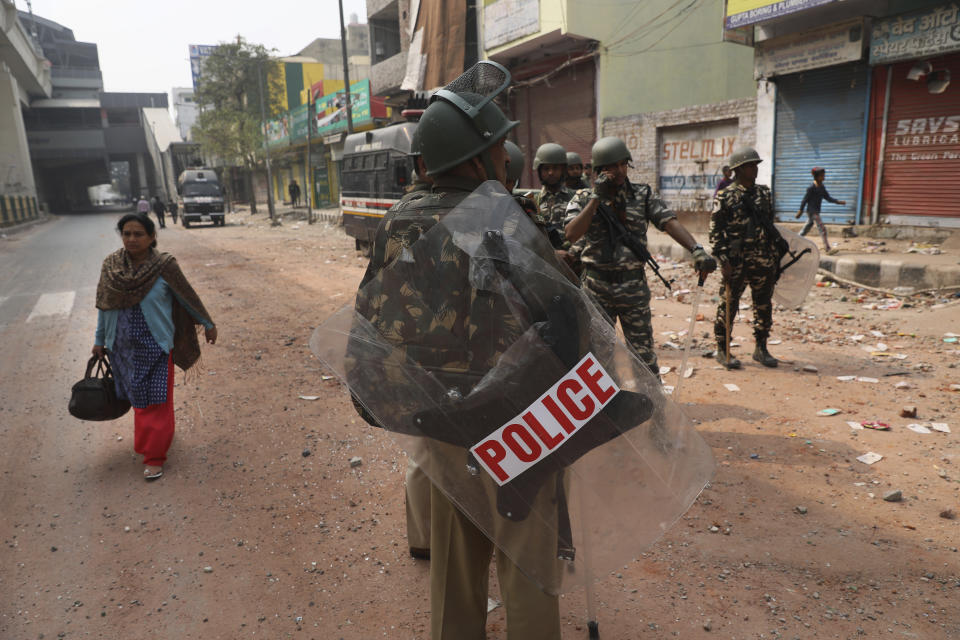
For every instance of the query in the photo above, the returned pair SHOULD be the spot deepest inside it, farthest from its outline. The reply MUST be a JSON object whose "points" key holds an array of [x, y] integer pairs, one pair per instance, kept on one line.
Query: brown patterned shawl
{"points": [[122, 286]]}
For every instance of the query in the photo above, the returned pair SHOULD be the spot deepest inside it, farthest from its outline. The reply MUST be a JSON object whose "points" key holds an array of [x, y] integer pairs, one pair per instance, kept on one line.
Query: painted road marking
{"points": [[53, 304]]}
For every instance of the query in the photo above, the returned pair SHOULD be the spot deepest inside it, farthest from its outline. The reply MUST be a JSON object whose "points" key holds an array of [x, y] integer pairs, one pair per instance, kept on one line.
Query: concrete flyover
{"points": [[24, 75]]}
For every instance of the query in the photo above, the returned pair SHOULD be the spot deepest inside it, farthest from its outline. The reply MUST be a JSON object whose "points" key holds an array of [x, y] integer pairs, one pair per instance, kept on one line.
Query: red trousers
{"points": [[153, 426]]}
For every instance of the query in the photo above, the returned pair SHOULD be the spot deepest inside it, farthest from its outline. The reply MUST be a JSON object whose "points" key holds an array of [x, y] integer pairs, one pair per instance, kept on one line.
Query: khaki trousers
{"points": [[418, 507], [459, 575]]}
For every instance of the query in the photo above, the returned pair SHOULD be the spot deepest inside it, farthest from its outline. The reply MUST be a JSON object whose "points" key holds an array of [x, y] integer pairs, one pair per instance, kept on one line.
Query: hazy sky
{"points": [[143, 43]]}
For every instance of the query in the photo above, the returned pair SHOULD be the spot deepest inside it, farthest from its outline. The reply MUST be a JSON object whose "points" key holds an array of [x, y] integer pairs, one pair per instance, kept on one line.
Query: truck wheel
{"points": [[186, 223]]}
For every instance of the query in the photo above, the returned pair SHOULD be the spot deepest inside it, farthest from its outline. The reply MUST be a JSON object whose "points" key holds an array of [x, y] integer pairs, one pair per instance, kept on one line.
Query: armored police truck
{"points": [[201, 197], [376, 172]]}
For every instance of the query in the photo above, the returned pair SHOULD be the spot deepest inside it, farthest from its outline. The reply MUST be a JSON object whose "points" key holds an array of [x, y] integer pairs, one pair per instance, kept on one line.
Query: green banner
{"points": [[331, 116]]}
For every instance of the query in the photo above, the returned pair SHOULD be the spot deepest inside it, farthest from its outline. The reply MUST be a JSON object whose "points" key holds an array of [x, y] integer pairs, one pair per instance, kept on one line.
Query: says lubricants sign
{"points": [[543, 427]]}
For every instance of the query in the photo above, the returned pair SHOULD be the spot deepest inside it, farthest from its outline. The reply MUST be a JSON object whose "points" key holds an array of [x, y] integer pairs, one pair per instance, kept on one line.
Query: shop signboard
{"points": [[691, 158], [331, 117], [743, 12], [508, 20], [198, 52], [916, 35], [810, 50]]}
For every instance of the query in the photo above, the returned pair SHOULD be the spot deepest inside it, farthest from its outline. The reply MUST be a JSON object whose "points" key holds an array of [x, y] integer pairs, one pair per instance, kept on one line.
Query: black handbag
{"points": [[95, 397]]}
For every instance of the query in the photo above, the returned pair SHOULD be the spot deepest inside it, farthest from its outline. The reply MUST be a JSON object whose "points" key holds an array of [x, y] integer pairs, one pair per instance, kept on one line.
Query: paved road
{"points": [[47, 319]]}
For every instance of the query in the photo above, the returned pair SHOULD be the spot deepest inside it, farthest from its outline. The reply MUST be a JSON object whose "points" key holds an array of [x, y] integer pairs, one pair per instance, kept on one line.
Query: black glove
{"points": [[783, 248], [703, 261], [605, 187]]}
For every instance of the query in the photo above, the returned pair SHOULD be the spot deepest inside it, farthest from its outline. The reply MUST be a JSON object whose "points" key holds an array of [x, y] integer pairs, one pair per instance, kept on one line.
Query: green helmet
{"points": [[415, 143], [516, 162], [549, 153], [574, 158], [609, 150], [744, 155], [462, 120]]}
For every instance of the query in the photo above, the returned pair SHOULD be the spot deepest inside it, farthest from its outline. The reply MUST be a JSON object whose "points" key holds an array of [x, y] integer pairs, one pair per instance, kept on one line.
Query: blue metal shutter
{"points": [[820, 122]]}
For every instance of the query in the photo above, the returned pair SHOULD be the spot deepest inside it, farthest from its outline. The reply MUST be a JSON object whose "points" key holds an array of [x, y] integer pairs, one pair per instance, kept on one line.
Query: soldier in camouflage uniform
{"points": [[550, 164], [457, 335], [747, 254], [612, 274], [575, 180]]}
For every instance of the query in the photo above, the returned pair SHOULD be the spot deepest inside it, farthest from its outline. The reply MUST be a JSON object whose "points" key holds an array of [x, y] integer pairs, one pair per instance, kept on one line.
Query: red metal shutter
{"points": [[921, 170], [561, 110]]}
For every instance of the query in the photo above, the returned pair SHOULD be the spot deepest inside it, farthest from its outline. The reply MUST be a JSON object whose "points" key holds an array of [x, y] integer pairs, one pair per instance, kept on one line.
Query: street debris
{"points": [[876, 425], [893, 496], [731, 387], [828, 412], [870, 457], [356, 461]]}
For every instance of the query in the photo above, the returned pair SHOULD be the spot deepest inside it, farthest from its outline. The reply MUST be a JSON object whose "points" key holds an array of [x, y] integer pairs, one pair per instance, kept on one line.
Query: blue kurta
{"points": [[139, 363]]}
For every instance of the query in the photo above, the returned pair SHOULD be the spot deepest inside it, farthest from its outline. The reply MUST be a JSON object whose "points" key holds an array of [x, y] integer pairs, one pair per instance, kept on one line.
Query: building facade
{"points": [[185, 111], [24, 77], [863, 89]]}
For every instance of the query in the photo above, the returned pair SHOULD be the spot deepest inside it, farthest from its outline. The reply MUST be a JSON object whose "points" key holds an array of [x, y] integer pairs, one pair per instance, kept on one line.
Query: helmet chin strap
{"points": [[487, 161]]}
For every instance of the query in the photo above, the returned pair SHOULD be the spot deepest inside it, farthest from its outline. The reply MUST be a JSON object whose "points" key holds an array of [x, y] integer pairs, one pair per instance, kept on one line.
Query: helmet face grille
{"points": [[484, 81], [485, 78]]}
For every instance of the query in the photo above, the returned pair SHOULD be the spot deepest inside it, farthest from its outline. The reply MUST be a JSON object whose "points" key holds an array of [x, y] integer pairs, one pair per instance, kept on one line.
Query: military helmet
{"points": [[462, 120], [574, 158], [415, 143], [609, 150], [517, 162], [744, 155], [549, 153]]}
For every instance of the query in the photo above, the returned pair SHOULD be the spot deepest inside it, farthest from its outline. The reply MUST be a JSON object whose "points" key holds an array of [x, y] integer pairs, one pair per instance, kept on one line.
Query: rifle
{"points": [[620, 233], [782, 246]]}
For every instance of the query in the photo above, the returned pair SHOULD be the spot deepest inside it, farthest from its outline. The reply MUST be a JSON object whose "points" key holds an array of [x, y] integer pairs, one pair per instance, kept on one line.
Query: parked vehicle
{"points": [[200, 197], [376, 172]]}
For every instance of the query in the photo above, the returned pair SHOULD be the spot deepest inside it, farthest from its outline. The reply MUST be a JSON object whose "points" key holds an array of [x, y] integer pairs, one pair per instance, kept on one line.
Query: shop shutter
{"points": [[820, 120], [921, 170], [562, 110]]}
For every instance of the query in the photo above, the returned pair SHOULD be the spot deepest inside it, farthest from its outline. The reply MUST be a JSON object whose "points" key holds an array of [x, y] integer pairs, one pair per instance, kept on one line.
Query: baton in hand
{"points": [[689, 342]]}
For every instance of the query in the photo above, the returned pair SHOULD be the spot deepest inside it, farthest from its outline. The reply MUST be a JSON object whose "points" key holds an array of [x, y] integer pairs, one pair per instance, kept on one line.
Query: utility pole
{"points": [[266, 149], [310, 121], [346, 69]]}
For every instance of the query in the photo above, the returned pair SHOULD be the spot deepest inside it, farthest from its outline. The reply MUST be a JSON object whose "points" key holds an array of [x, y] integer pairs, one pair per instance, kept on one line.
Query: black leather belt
{"points": [[615, 276]]}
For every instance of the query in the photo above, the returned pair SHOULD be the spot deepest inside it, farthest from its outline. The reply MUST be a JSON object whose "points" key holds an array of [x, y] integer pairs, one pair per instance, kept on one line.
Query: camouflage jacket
{"points": [[734, 230], [642, 207], [419, 298], [552, 205]]}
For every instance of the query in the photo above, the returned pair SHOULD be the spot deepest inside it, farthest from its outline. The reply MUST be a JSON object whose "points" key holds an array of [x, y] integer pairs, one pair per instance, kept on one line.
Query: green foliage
{"points": [[228, 95]]}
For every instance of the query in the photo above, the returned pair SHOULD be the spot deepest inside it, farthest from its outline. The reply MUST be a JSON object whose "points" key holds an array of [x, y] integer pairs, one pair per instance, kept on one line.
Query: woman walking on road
{"points": [[147, 312], [816, 194]]}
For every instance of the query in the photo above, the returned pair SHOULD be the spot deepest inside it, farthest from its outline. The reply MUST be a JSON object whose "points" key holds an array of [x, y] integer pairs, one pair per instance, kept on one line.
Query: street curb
{"points": [[884, 273], [887, 273]]}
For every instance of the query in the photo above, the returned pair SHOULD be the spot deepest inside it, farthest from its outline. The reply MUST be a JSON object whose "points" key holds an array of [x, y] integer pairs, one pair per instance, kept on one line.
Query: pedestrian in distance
{"points": [[726, 180], [749, 249], [613, 274], [174, 208], [159, 209], [460, 150], [143, 205], [294, 190], [812, 201], [147, 314]]}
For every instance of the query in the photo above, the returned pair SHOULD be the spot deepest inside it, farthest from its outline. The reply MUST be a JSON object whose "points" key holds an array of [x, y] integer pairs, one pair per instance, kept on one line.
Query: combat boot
{"points": [[721, 357], [761, 355]]}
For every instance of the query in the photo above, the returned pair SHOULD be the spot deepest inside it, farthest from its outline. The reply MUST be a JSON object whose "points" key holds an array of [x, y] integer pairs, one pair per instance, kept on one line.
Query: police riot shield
{"points": [[481, 355], [798, 270]]}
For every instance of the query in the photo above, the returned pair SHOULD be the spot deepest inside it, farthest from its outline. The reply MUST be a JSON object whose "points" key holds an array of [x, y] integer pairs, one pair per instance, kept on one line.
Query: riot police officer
{"points": [[461, 148], [550, 165], [613, 274], [575, 180], [515, 168], [749, 249]]}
